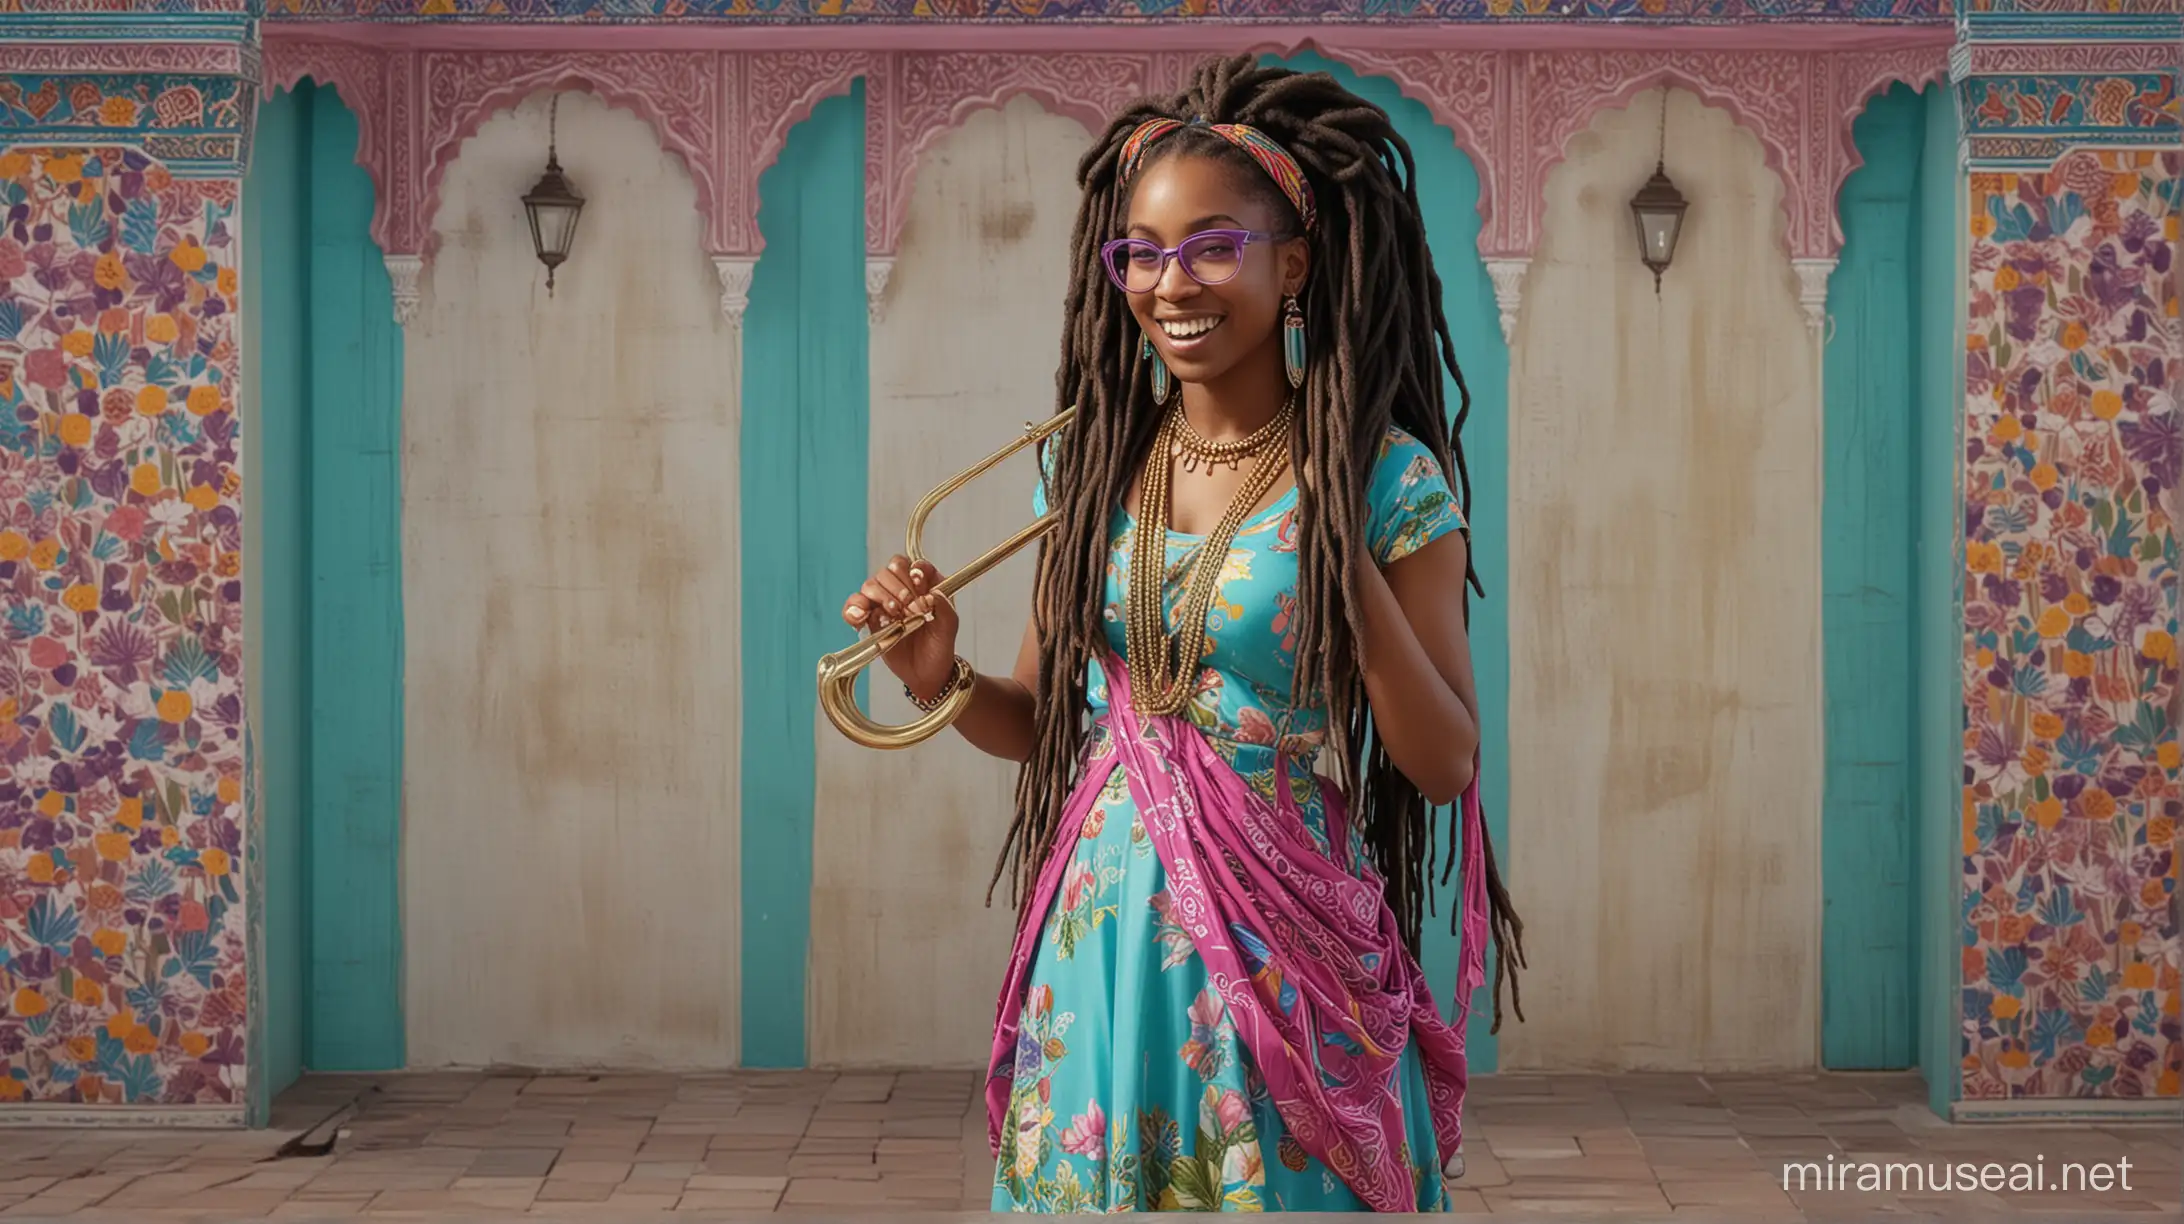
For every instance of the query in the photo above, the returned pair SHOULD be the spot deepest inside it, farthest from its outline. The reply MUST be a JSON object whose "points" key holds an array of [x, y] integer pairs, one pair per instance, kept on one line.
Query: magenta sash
{"points": [[1235, 861]]}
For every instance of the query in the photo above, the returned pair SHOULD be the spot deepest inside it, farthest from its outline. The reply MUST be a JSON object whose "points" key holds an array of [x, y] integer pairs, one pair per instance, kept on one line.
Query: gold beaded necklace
{"points": [[1193, 448], [1161, 682]]}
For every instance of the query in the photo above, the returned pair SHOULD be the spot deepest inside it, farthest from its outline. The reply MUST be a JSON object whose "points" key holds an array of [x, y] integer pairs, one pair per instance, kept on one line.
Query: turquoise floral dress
{"points": [[1132, 1090]]}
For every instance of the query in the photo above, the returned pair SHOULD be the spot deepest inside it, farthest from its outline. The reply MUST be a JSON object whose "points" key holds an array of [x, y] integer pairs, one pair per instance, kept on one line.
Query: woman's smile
{"points": [[1187, 334]]}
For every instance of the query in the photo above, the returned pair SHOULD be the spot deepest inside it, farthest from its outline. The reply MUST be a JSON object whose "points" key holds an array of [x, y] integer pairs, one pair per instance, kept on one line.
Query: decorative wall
{"points": [[903, 841], [122, 817], [1664, 524], [570, 545], [2071, 465], [724, 110], [2071, 803]]}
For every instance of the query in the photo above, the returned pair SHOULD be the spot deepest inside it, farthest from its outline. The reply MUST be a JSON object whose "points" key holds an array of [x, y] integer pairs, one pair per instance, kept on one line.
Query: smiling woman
{"points": [[1254, 345]]}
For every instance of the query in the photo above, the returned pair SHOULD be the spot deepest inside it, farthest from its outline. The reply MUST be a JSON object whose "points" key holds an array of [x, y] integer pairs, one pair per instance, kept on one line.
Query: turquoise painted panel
{"points": [[806, 409], [274, 288], [1866, 938], [1448, 190], [355, 567], [1938, 617], [326, 473]]}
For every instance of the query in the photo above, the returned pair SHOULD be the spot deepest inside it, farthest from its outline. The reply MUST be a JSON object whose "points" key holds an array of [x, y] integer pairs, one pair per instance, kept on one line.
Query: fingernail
{"points": [[856, 614], [918, 577], [892, 606]]}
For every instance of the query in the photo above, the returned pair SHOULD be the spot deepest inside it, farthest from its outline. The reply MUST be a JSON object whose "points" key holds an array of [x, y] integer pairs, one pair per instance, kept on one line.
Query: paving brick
{"points": [[514, 1162], [833, 1192], [1585, 1168], [474, 1182], [674, 1147], [1724, 1192], [607, 1172], [922, 1187], [823, 1146], [865, 1088], [729, 1200], [228, 1201], [923, 1128], [902, 1146], [157, 1189], [833, 1167], [754, 1143], [715, 1181], [320, 1209], [558, 1191], [751, 1164], [914, 1166], [453, 1201], [1541, 1147], [596, 1153], [339, 1181]]}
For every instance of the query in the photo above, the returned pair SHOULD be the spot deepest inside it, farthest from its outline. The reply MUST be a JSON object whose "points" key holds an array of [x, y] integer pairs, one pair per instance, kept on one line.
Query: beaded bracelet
{"points": [[961, 677]]}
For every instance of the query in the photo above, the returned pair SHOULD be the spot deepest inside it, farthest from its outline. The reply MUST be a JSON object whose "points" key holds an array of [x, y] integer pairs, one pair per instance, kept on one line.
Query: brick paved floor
{"points": [[879, 1146]]}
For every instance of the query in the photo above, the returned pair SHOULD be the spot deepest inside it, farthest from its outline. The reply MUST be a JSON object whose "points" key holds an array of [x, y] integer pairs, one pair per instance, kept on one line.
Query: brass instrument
{"points": [[838, 671]]}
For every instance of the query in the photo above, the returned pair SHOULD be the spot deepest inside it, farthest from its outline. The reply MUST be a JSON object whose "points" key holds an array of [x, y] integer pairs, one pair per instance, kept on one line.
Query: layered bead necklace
{"points": [[1164, 666]]}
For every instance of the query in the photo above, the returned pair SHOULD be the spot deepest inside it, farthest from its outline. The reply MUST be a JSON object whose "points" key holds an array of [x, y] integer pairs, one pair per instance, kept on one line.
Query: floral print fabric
{"points": [[1130, 1086]]}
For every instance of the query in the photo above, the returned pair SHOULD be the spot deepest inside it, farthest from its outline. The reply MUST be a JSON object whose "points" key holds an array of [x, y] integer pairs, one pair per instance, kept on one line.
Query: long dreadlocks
{"points": [[1373, 320]]}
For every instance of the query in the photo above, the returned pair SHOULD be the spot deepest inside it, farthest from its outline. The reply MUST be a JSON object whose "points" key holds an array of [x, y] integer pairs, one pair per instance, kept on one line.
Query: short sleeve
{"points": [[1410, 499]]}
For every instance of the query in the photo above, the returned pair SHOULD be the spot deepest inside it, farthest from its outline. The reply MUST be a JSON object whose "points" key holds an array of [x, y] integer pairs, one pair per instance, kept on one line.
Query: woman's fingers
{"points": [[898, 591], [886, 607]]}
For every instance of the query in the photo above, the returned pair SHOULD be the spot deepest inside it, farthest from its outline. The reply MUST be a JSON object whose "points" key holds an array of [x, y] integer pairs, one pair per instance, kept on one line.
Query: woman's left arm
{"points": [[1417, 662]]}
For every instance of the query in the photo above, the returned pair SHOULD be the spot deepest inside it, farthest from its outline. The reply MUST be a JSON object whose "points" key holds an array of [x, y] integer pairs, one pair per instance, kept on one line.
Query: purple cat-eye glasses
{"points": [[1208, 257]]}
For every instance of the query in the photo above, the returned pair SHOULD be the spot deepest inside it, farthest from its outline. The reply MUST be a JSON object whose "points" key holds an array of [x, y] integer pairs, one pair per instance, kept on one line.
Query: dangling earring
{"points": [[1293, 341], [1160, 373]]}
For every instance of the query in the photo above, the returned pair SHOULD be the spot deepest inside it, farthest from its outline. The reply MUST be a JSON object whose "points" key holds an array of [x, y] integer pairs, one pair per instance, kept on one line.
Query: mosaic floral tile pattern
{"points": [[136, 102], [2071, 801], [2072, 103], [121, 923]]}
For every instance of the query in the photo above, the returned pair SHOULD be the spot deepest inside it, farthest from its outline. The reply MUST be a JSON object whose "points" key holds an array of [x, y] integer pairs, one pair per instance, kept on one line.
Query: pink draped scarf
{"points": [[1238, 862]]}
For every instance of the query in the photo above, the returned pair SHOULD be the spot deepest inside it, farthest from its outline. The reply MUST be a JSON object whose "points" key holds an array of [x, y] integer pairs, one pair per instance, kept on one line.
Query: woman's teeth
{"points": [[1189, 329]]}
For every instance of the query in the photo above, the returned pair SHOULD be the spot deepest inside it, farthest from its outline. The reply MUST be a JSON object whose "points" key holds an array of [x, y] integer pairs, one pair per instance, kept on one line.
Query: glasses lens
{"points": [[1212, 257], [1135, 265]]}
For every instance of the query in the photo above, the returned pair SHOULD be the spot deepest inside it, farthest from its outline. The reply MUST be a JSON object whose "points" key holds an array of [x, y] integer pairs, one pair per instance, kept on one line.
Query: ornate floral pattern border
{"points": [[2029, 91], [178, 89]]}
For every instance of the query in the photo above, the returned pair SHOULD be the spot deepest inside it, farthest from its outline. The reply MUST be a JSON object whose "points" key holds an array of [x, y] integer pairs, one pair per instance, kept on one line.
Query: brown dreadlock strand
{"points": [[1374, 323]]}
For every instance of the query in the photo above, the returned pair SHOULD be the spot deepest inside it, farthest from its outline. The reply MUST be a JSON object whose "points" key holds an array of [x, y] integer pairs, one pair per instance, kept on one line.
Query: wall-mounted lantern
{"points": [[1659, 210], [553, 206]]}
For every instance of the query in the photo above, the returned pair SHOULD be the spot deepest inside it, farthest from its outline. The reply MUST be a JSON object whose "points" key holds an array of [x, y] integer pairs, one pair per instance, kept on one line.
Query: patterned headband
{"points": [[1272, 158]]}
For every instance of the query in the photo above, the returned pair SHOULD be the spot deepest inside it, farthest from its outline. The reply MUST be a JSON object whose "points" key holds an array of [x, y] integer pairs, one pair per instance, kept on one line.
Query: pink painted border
{"points": [[727, 113]]}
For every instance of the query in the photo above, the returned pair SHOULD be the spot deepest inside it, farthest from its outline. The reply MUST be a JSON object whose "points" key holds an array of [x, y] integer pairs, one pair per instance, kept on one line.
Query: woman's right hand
{"points": [[925, 657]]}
